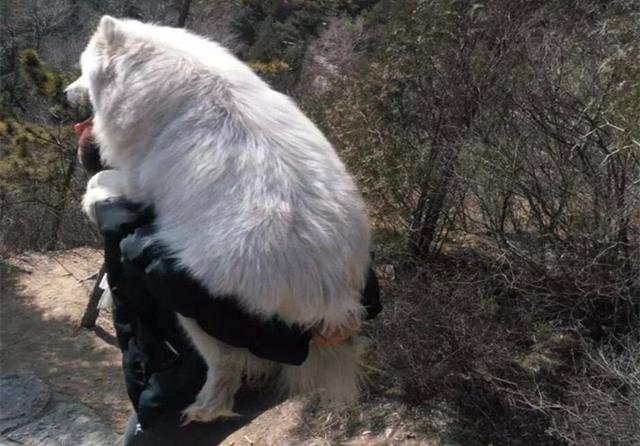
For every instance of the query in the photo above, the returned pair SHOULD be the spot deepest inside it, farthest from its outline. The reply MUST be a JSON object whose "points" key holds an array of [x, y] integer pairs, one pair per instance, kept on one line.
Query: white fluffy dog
{"points": [[249, 195]]}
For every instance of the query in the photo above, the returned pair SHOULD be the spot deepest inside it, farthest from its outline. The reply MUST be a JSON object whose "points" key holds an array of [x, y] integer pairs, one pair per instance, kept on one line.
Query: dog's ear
{"points": [[110, 29]]}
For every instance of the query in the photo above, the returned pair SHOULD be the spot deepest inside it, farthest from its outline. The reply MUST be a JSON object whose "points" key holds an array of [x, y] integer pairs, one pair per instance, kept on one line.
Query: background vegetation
{"points": [[498, 147]]}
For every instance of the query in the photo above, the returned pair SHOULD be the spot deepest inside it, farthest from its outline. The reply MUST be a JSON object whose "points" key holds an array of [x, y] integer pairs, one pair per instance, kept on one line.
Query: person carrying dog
{"points": [[162, 371]]}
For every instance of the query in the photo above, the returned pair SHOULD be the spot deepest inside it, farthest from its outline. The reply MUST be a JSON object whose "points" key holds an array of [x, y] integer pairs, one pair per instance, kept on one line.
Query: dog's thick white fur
{"points": [[249, 195]]}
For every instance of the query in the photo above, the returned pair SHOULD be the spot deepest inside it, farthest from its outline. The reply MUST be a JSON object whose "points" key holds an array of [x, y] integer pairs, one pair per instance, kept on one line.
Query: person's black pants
{"points": [[167, 430]]}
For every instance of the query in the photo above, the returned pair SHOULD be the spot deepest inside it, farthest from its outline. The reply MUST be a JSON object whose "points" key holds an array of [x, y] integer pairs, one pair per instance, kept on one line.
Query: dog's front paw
{"points": [[214, 401], [101, 186], [204, 414]]}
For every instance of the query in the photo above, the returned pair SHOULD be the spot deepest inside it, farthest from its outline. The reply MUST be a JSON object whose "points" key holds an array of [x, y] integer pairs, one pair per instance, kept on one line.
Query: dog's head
{"points": [[142, 78], [95, 62], [108, 63]]}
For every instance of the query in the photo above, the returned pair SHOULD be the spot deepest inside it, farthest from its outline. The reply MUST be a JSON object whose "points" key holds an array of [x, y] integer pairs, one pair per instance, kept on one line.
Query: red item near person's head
{"points": [[81, 127], [88, 152], [85, 136]]}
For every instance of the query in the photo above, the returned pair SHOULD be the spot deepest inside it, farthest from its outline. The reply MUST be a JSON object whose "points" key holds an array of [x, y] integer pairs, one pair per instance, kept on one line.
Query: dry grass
{"points": [[512, 365]]}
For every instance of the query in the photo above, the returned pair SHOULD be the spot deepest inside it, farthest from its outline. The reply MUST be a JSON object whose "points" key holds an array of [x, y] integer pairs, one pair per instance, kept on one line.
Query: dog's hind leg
{"points": [[225, 367], [334, 370]]}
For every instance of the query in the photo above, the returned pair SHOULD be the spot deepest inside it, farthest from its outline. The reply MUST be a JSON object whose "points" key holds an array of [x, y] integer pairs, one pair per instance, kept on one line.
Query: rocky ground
{"points": [[31, 415]]}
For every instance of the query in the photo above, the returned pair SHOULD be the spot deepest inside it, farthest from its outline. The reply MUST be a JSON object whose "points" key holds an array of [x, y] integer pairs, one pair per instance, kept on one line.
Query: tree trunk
{"points": [[62, 205], [184, 13], [431, 203]]}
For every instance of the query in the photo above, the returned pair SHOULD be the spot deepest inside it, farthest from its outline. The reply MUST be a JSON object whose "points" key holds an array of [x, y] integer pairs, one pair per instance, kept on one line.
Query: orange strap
{"points": [[333, 339]]}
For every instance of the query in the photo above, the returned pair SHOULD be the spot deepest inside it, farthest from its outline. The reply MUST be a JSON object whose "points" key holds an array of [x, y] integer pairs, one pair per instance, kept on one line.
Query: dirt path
{"points": [[42, 299], [41, 302]]}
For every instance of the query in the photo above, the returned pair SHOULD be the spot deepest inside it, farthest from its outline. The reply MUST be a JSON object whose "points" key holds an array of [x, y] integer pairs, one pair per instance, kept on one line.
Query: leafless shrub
{"points": [[604, 407], [331, 55], [498, 147]]}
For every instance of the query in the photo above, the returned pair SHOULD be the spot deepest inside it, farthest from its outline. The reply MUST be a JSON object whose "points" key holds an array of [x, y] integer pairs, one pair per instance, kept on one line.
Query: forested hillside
{"points": [[498, 147]]}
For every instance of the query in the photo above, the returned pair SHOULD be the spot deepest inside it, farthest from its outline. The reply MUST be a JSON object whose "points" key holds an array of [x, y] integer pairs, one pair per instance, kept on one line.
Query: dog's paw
{"points": [[215, 399], [202, 414]]}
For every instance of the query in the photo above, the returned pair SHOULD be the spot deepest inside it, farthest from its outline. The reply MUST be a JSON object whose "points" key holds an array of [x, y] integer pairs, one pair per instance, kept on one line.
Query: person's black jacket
{"points": [[163, 372]]}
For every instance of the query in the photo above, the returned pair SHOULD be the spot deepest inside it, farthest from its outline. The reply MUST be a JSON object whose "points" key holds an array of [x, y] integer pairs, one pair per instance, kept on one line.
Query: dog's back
{"points": [[249, 195]]}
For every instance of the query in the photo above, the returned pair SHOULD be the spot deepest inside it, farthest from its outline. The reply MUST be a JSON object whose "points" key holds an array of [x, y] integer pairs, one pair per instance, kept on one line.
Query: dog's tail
{"points": [[334, 370]]}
